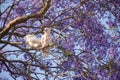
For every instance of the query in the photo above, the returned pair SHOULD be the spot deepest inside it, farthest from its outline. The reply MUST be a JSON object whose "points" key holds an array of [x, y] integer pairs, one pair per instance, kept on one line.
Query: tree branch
{"points": [[8, 42], [24, 18]]}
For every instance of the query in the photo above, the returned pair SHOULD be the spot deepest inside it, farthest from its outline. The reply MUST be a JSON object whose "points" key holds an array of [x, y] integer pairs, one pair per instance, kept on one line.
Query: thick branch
{"points": [[24, 18], [8, 42]]}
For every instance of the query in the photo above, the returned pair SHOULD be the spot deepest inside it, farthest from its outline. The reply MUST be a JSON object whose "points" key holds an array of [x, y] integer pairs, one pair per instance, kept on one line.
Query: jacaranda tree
{"points": [[85, 35]]}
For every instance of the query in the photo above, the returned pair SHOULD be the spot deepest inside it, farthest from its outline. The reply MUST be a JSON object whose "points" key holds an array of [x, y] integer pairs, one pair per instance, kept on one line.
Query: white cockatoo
{"points": [[32, 41], [46, 41]]}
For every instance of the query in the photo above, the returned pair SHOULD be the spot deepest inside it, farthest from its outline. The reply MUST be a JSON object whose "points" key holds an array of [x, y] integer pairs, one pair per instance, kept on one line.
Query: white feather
{"points": [[46, 41], [32, 41]]}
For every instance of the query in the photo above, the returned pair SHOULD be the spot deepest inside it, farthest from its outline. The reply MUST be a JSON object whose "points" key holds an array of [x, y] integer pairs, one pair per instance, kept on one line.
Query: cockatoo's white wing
{"points": [[36, 42], [32, 41]]}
